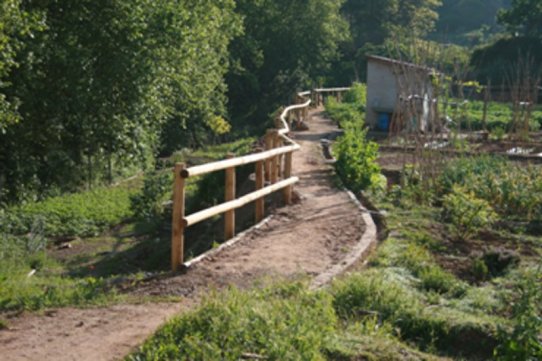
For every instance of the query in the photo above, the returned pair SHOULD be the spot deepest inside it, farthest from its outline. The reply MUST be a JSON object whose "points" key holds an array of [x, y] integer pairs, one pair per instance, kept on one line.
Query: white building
{"points": [[399, 95]]}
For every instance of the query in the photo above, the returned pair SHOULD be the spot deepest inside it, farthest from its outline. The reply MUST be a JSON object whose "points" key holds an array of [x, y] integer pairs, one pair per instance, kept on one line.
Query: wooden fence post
{"points": [[275, 162], [260, 202], [177, 233], [268, 146], [288, 174], [229, 216]]}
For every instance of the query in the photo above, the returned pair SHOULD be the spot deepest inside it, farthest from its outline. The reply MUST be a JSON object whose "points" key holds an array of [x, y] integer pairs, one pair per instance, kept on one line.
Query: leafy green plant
{"points": [[514, 191], [524, 342], [497, 133], [479, 269], [466, 213], [356, 158], [147, 205], [79, 214]]}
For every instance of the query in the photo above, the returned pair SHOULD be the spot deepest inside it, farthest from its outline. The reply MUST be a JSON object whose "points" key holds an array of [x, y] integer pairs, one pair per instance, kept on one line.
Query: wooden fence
{"points": [[273, 165]]}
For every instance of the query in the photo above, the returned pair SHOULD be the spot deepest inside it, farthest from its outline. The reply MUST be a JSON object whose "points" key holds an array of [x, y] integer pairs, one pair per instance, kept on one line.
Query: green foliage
{"points": [[16, 26], [80, 214], [497, 134], [30, 280], [356, 158], [523, 342], [513, 191], [468, 22], [17, 292], [479, 269], [147, 205], [287, 45], [499, 117], [524, 17], [466, 213], [97, 94], [501, 59], [374, 23], [281, 323], [356, 95], [390, 296]]}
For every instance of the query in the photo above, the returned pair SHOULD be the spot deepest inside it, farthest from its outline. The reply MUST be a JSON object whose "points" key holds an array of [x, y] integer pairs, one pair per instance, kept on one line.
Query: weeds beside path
{"points": [[303, 240]]}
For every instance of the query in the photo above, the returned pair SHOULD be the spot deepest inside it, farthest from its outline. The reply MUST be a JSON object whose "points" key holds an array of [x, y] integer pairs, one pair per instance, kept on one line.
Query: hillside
{"points": [[468, 22]]}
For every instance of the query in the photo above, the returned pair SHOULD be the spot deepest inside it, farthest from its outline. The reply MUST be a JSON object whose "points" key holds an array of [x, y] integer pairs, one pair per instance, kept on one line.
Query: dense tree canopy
{"points": [[524, 18], [92, 89], [377, 24], [468, 21], [97, 85], [287, 44]]}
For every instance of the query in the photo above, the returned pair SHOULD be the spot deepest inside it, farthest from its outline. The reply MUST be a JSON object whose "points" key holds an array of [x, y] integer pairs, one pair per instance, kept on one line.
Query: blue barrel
{"points": [[383, 121]]}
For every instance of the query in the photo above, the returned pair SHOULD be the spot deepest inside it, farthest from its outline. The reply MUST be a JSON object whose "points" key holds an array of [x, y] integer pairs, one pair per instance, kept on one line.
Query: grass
{"points": [[81, 214], [109, 246], [282, 322]]}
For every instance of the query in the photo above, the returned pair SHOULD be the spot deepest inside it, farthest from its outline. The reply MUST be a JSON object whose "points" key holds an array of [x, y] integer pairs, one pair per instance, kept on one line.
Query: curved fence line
{"points": [[273, 166]]}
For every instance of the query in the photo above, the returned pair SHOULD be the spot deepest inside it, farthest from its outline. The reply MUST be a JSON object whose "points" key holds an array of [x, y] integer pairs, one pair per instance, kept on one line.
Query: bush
{"points": [[513, 191], [466, 213], [352, 109], [524, 342], [356, 158], [357, 94], [283, 323], [147, 205]]}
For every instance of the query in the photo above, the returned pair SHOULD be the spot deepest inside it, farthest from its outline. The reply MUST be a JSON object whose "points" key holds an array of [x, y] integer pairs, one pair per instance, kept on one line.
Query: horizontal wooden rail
{"points": [[272, 164], [331, 90], [235, 162], [237, 203]]}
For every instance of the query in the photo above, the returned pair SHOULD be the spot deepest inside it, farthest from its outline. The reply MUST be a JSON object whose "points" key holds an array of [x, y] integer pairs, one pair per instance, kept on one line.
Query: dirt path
{"points": [[302, 240]]}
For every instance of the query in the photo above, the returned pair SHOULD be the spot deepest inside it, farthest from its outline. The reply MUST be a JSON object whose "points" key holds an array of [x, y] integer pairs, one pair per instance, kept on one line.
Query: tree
{"points": [[523, 18], [287, 44], [15, 26], [375, 22], [98, 84]]}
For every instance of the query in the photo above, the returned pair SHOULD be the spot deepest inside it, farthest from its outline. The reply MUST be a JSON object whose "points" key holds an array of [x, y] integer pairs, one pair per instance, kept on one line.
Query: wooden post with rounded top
{"points": [[268, 146], [287, 174], [275, 161], [177, 233], [229, 195], [260, 202]]}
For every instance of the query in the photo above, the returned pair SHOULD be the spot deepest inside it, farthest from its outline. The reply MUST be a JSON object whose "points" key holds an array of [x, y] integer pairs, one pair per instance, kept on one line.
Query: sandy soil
{"points": [[302, 240]]}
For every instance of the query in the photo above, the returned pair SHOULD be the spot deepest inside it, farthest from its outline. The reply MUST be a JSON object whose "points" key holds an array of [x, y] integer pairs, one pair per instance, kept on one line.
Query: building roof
{"points": [[394, 62]]}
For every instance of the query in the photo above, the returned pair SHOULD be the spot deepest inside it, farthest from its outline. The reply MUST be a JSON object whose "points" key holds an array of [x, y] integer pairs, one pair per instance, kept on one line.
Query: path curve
{"points": [[314, 236]]}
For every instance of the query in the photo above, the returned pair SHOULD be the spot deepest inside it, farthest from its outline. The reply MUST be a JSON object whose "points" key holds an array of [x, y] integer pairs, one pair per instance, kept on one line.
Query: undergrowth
{"points": [[116, 234]]}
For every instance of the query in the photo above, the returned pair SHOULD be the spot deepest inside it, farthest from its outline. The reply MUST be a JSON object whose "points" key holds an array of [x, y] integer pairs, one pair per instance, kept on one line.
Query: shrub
{"points": [[356, 158], [357, 94], [147, 204], [513, 191], [523, 342], [480, 270], [283, 323], [466, 213]]}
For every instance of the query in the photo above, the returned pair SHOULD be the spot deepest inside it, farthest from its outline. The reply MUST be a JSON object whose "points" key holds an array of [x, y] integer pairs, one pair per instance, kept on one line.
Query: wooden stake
{"points": [[287, 174], [275, 159], [268, 146], [177, 233], [260, 203], [229, 216]]}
